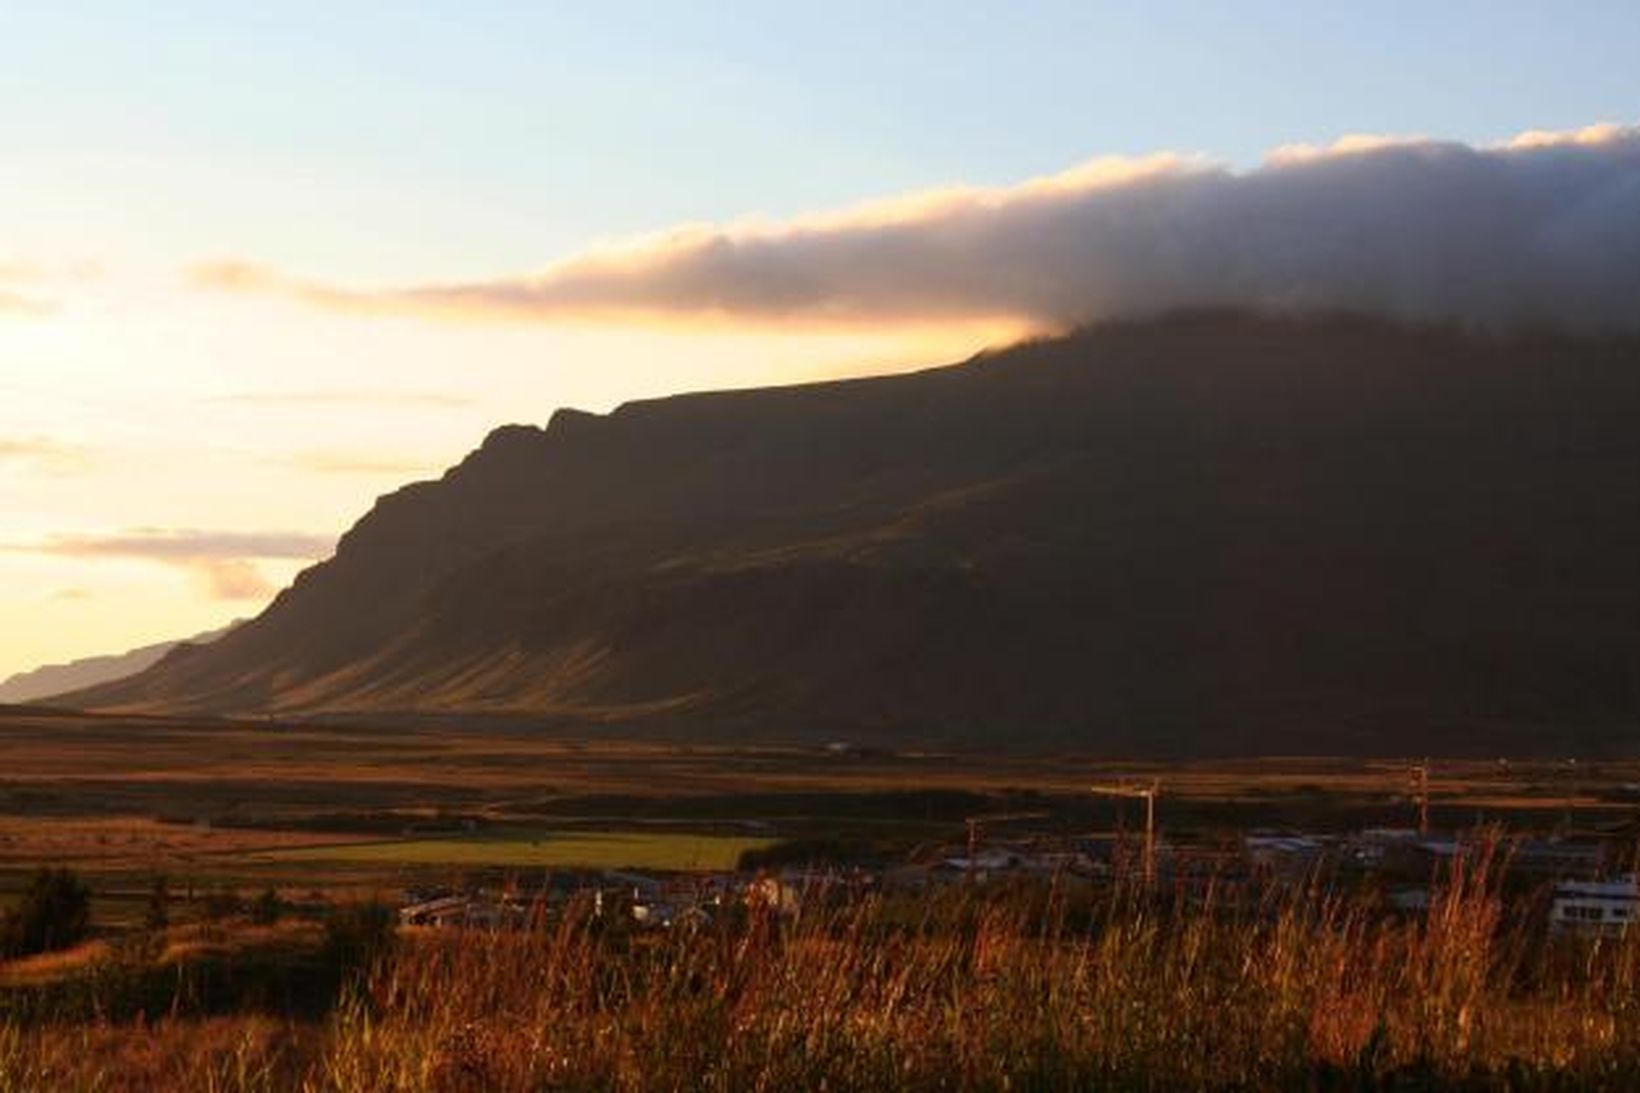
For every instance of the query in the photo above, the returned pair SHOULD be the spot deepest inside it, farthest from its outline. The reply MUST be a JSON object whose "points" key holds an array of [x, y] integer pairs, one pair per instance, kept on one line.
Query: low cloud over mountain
{"points": [[1544, 229]]}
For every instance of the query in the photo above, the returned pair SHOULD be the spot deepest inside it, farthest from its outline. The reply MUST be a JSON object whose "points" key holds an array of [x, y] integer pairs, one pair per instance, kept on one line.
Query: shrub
{"points": [[158, 915], [807, 852], [357, 935], [223, 903], [267, 908], [54, 913]]}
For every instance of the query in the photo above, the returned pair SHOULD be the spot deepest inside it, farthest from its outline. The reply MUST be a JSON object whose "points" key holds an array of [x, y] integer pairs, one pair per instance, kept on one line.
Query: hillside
{"points": [[51, 679], [1209, 533]]}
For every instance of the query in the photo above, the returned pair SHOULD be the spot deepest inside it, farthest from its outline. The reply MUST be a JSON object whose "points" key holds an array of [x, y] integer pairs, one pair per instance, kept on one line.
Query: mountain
{"points": [[54, 679], [1207, 533]]}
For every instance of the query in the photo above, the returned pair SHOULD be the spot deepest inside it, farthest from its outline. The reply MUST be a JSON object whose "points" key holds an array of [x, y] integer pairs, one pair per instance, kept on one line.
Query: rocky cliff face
{"points": [[1210, 533]]}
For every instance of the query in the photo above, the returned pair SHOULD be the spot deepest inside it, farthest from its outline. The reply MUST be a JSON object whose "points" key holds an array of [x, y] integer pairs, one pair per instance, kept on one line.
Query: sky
{"points": [[260, 264]]}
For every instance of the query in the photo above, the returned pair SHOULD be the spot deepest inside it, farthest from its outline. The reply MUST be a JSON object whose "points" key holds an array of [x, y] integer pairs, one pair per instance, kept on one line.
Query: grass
{"points": [[552, 849], [267, 776], [49, 966], [87, 843], [1037, 987], [968, 989], [249, 805]]}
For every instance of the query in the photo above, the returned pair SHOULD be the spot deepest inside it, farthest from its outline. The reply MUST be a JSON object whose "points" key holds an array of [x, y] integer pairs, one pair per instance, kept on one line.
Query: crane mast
{"points": [[1147, 793]]}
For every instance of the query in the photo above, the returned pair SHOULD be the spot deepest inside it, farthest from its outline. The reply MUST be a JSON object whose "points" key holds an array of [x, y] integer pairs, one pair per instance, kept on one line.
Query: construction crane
{"points": [[1148, 793], [976, 827], [1571, 796], [1420, 794]]}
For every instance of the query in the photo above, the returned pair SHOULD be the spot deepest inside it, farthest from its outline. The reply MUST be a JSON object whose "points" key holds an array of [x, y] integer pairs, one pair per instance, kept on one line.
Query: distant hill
{"points": [[54, 679], [1211, 533]]}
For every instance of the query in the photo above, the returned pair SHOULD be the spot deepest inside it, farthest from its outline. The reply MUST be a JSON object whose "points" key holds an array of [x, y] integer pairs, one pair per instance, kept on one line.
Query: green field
{"points": [[589, 850]]}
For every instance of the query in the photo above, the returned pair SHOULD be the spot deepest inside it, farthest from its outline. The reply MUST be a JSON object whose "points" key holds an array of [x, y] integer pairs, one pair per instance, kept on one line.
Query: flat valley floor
{"points": [[366, 811]]}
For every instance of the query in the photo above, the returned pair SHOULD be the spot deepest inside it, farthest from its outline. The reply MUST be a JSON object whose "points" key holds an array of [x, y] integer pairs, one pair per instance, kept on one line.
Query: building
{"points": [[1557, 859], [1282, 855], [444, 911], [1594, 908]]}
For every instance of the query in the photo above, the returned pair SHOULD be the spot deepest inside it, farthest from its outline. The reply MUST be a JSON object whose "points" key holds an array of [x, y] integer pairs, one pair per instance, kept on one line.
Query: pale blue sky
{"points": [[530, 128]]}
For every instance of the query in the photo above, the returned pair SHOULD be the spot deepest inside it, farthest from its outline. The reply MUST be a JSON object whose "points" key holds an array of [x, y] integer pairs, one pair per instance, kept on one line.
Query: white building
{"points": [[1595, 908]]}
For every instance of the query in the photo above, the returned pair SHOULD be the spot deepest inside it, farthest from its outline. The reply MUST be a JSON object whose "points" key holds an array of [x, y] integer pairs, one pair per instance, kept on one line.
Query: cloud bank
{"points": [[1544, 229], [222, 561]]}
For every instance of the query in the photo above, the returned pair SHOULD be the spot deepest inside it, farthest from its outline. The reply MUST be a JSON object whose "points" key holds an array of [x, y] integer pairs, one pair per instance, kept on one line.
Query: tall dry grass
{"points": [[986, 988]]}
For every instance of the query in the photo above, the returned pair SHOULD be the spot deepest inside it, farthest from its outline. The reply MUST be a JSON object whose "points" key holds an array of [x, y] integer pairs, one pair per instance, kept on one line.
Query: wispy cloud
{"points": [[233, 579], [15, 303], [45, 453], [17, 273], [426, 399], [357, 463], [224, 562], [188, 544], [1543, 228]]}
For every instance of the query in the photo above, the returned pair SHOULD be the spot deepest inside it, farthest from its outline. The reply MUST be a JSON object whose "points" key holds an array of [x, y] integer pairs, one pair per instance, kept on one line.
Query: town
{"points": [[1573, 882]]}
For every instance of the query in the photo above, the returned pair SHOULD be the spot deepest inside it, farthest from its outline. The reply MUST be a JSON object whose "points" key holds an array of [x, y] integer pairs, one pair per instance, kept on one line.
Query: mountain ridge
{"points": [[1207, 533], [25, 687]]}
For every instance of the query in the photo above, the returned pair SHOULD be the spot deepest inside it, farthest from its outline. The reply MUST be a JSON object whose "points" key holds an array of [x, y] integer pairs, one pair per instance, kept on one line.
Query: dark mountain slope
{"points": [[1205, 533]]}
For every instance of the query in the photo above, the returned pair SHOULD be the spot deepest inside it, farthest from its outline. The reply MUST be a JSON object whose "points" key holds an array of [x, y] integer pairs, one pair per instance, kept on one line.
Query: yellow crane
{"points": [[1148, 793]]}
